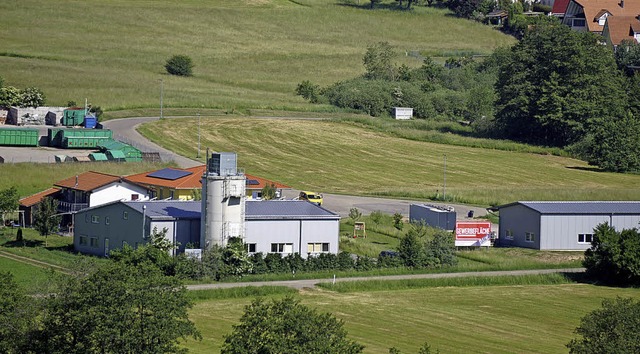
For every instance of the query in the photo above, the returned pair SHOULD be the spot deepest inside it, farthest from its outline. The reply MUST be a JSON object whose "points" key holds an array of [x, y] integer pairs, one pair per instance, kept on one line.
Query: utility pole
{"points": [[198, 135], [444, 189], [161, 96]]}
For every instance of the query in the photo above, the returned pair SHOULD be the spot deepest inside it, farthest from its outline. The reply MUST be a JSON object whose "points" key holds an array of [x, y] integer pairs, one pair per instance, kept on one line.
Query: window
{"points": [[125, 215], [95, 219], [585, 238], [135, 196], [317, 247], [251, 247], [508, 234], [282, 247], [578, 22], [83, 240], [94, 242], [529, 237], [106, 220]]}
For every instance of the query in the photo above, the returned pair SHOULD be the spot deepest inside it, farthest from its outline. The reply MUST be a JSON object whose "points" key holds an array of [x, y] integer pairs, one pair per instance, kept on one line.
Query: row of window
{"points": [[531, 237], [95, 219], [93, 241], [318, 247]]}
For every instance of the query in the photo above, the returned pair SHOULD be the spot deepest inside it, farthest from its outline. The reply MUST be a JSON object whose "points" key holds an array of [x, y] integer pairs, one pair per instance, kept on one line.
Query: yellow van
{"points": [[313, 197]]}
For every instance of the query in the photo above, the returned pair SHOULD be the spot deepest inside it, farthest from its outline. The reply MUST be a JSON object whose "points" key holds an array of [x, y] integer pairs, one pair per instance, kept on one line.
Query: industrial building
{"points": [[275, 226], [562, 225]]}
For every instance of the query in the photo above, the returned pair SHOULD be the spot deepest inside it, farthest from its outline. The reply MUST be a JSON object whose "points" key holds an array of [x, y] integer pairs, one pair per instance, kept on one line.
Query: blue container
{"points": [[90, 122]]}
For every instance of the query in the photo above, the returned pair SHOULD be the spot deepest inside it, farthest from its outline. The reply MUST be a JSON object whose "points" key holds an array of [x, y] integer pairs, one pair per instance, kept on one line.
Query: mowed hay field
{"points": [[326, 156], [476, 319], [247, 53]]}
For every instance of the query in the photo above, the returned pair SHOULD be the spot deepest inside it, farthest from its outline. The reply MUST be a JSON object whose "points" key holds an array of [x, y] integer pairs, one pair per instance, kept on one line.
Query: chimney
{"points": [[76, 181]]}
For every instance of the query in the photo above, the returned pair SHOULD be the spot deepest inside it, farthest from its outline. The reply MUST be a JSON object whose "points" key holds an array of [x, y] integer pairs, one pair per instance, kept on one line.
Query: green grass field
{"points": [[247, 53], [31, 278], [453, 319], [333, 157]]}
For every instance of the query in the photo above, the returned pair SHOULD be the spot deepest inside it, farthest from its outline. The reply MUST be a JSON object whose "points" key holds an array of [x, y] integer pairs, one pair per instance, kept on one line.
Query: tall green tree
{"points": [[286, 326], [378, 61], [610, 329], [8, 201], [15, 315], [556, 85], [614, 256], [45, 219], [118, 308]]}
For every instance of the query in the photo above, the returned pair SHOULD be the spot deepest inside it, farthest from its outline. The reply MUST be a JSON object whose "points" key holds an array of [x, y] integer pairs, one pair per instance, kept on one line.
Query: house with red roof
{"points": [[559, 8], [591, 15], [619, 28], [181, 184], [28, 205]]}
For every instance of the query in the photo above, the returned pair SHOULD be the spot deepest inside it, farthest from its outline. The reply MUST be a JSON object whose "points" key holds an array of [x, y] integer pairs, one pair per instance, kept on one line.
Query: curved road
{"points": [[310, 283]]}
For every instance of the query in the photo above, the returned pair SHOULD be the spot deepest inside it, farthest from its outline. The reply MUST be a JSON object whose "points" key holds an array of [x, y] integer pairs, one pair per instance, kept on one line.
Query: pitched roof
{"points": [[621, 28], [262, 182], [190, 181], [37, 198], [592, 8], [87, 181], [581, 207], [193, 180], [286, 209], [559, 7], [170, 209]]}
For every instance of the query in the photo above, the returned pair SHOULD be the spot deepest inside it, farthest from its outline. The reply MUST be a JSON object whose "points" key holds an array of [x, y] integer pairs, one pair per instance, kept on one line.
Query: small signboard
{"points": [[473, 233], [193, 253]]}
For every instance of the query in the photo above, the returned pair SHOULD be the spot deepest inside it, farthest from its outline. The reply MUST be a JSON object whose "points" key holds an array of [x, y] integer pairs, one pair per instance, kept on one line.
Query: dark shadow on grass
{"points": [[23, 243], [587, 168], [380, 243], [366, 5]]}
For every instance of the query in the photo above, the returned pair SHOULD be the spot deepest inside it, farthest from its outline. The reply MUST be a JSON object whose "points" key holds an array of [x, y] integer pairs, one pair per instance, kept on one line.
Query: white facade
{"points": [[117, 191]]}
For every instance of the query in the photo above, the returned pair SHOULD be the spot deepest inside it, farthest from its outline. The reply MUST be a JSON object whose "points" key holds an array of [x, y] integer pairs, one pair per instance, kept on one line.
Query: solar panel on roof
{"points": [[169, 174], [252, 182]]}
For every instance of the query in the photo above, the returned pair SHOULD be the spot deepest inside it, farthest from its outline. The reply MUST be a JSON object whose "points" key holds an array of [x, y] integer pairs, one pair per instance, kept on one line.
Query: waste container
{"points": [[470, 214]]}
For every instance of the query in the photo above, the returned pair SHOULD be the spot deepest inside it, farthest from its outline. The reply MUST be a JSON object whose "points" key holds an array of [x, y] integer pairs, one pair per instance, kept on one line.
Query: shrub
{"points": [[9, 96], [308, 91], [180, 65], [32, 97]]}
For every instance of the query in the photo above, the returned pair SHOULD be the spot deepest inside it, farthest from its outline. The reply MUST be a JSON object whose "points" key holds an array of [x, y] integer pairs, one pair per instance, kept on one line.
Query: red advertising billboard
{"points": [[472, 230]]}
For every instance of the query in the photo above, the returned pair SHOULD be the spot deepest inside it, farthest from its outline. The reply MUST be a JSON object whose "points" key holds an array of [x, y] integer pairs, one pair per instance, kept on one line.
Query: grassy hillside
{"points": [[473, 319], [333, 157], [247, 53]]}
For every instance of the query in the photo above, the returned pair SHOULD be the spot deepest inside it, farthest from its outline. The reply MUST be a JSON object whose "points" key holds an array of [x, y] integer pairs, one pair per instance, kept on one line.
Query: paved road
{"points": [[310, 283], [125, 130]]}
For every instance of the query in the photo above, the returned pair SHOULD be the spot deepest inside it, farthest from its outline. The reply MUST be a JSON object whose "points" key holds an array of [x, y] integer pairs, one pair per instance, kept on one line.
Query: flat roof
{"points": [[286, 209], [159, 209]]}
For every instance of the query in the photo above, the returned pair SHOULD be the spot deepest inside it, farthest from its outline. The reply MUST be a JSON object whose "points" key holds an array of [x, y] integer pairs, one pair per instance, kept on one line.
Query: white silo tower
{"points": [[223, 200]]}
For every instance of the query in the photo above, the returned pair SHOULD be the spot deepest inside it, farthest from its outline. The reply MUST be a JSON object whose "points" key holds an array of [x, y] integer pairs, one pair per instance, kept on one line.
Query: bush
{"points": [[9, 96], [32, 97], [180, 65], [308, 91], [614, 256]]}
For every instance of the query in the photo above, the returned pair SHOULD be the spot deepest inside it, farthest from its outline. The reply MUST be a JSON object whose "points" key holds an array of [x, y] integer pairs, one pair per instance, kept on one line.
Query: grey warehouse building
{"points": [[562, 225], [279, 226]]}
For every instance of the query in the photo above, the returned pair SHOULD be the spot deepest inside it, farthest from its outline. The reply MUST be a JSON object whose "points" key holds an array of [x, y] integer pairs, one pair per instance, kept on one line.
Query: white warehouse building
{"points": [[562, 225]]}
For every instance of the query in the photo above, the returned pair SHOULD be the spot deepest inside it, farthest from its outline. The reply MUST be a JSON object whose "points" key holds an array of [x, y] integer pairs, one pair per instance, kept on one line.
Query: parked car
{"points": [[312, 197]]}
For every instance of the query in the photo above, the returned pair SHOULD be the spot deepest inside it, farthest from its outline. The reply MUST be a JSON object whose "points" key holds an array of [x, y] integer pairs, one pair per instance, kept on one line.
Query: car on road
{"points": [[312, 197]]}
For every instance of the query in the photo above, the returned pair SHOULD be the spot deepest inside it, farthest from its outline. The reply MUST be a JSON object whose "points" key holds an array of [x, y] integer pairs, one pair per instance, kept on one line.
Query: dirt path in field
{"points": [[33, 262], [311, 283]]}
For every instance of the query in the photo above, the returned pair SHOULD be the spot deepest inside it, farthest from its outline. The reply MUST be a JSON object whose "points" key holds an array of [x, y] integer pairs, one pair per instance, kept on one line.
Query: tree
{"points": [[411, 249], [180, 65], [236, 258], [32, 97], [286, 326], [627, 54], [355, 214], [269, 192], [45, 219], [9, 96], [8, 201], [614, 256], [613, 145], [118, 308], [159, 240], [556, 85], [15, 317], [378, 61], [610, 329]]}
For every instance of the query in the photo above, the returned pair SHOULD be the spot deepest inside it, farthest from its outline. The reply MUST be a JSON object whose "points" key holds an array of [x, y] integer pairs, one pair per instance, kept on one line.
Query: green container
{"points": [[130, 153], [98, 156], [81, 142], [115, 155], [73, 116], [58, 135], [19, 136]]}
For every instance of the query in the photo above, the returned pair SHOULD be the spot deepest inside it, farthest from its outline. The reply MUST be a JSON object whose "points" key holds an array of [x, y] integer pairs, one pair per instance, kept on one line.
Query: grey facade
{"points": [[562, 225], [281, 226], [100, 229], [433, 216]]}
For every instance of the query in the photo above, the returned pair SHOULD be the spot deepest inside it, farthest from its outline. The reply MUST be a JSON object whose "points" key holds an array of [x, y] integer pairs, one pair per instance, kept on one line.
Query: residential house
{"points": [[28, 205], [559, 8], [180, 184], [619, 28], [90, 189], [591, 15]]}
